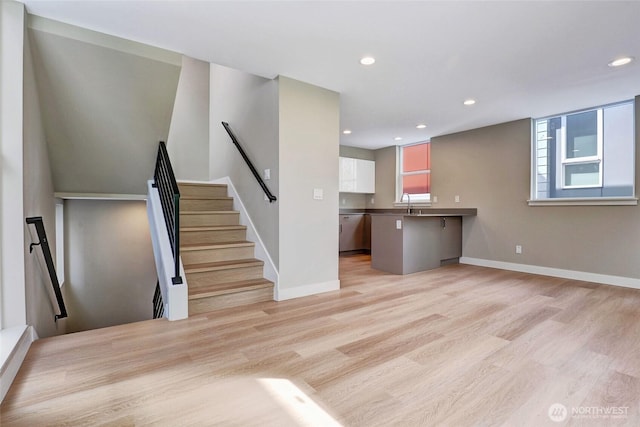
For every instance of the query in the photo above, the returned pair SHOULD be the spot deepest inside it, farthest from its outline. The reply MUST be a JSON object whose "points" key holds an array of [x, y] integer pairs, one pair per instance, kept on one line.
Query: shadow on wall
{"points": [[110, 270]]}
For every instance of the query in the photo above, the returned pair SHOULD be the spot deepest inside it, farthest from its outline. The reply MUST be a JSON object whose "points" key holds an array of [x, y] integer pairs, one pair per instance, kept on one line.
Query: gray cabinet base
{"points": [[412, 248]]}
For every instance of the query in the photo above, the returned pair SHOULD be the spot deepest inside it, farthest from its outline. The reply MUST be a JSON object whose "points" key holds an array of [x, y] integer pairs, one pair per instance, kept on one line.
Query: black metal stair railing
{"points": [[158, 305], [165, 182], [255, 173], [46, 251]]}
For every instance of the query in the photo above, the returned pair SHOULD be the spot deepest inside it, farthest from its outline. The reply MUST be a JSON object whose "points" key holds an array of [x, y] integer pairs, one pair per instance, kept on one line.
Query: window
{"points": [[586, 154], [414, 168]]}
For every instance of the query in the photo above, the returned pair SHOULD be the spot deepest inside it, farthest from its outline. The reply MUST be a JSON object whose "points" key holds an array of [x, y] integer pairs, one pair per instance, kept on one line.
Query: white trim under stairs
{"points": [[174, 297]]}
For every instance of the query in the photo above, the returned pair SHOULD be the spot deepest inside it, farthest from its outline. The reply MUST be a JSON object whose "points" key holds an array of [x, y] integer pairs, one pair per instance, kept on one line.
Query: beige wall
{"points": [[353, 200], [357, 153], [309, 120], [12, 226], [38, 201], [109, 263], [385, 178], [489, 168], [104, 110], [188, 142], [250, 105]]}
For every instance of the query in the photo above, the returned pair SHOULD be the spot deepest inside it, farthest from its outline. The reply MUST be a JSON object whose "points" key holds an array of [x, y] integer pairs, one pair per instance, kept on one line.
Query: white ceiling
{"points": [[518, 59]]}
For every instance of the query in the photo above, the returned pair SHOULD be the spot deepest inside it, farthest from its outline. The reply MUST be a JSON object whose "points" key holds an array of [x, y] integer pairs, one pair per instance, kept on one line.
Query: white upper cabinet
{"points": [[357, 176]]}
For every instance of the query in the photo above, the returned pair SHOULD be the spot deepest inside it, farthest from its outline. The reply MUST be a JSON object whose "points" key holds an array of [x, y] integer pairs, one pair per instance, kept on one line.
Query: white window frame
{"points": [[422, 199]]}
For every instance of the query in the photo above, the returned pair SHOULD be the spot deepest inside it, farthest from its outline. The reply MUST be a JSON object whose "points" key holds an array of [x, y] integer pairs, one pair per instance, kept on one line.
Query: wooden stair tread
{"points": [[222, 265], [200, 184], [213, 227], [203, 197], [219, 245], [182, 212], [229, 287]]}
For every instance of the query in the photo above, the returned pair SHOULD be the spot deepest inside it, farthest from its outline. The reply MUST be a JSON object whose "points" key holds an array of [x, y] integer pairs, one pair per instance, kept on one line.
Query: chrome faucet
{"points": [[408, 202]]}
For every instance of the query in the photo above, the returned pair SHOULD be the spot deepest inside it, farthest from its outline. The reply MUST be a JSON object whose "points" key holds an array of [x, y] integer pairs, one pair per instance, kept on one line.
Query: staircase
{"points": [[218, 260]]}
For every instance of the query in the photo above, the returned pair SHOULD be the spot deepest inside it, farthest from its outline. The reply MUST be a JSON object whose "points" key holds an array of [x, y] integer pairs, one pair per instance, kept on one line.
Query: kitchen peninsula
{"points": [[403, 243]]}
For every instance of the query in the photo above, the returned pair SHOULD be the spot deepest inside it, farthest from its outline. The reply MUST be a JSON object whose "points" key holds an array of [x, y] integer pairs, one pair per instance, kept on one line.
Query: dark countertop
{"points": [[415, 212]]}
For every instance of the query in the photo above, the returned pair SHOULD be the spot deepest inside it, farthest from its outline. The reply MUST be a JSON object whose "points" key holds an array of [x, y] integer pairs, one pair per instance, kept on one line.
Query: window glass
{"points": [[585, 154], [582, 135], [414, 177], [416, 184], [415, 157], [586, 174]]}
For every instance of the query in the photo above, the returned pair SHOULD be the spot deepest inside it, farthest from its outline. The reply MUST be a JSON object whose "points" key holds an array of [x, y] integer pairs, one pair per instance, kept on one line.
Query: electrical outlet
{"points": [[267, 174], [457, 199], [518, 249], [435, 199]]}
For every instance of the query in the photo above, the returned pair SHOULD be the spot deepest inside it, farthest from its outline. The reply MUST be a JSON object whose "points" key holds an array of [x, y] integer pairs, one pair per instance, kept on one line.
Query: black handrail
{"points": [[268, 193], [44, 244], [165, 182]]}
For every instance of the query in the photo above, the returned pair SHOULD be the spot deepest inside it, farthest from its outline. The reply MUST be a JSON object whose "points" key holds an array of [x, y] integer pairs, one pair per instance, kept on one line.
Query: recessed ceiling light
{"points": [[421, 126], [346, 132], [397, 138], [620, 61], [469, 101], [368, 60]]}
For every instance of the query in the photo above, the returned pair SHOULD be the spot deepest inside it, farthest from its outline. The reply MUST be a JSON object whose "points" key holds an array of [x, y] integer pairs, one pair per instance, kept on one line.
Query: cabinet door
{"points": [[347, 175], [351, 227], [365, 176], [357, 175], [450, 237], [366, 232]]}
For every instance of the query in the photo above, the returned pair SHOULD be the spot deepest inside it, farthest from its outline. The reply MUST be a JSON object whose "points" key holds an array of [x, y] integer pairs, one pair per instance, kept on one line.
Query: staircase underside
{"points": [[218, 260]]}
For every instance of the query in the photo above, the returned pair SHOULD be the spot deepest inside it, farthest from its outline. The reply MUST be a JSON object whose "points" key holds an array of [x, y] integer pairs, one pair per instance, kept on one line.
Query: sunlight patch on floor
{"points": [[298, 405]]}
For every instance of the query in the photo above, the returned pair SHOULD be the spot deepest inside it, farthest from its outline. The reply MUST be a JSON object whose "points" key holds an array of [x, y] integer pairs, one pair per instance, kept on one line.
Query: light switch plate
{"points": [[318, 194], [267, 174], [457, 199], [398, 224]]}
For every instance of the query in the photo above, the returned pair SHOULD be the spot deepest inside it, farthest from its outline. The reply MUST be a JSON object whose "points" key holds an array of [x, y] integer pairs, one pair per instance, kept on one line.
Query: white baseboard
{"points": [[15, 344], [605, 279], [307, 290]]}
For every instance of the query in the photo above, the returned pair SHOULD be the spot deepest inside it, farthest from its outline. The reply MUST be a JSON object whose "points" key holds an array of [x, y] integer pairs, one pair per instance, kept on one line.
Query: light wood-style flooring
{"points": [[455, 346]]}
